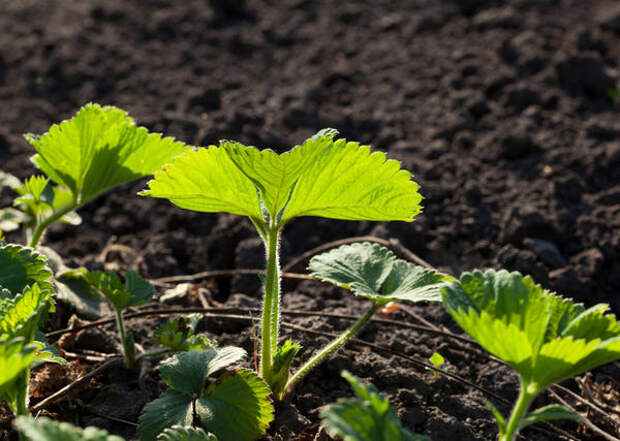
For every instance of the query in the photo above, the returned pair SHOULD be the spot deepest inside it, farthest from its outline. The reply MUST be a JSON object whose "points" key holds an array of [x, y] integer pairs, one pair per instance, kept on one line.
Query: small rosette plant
{"points": [[321, 177], [234, 406], [545, 338]]}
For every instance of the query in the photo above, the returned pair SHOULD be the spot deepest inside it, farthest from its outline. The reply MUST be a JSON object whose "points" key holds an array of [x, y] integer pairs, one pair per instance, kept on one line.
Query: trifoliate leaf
{"points": [[550, 412], [170, 409], [187, 372], [98, 149], [135, 291], [544, 337], [15, 358], [369, 416], [319, 178], [236, 407], [181, 433], [45, 429], [21, 266], [372, 271]]}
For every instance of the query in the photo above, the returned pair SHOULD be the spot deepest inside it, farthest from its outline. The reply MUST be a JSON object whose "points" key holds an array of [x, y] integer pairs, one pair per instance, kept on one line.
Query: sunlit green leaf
{"points": [[21, 266], [178, 334], [321, 177], [15, 358], [368, 417], [544, 337], [98, 149]]}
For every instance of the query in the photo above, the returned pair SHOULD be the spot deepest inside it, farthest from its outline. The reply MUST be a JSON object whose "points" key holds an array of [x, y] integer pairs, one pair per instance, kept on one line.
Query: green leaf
{"points": [[181, 433], [280, 370], [367, 417], [45, 429], [372, 271], [98, 149], [437, 359], [136, 290], [15, 358], [187, 372], [19, 315], [237, 407], [318, 178], [348, 182], [170, 409], [206, 180], [550, 412], [21, 266], [544, 337], [178, 335]]}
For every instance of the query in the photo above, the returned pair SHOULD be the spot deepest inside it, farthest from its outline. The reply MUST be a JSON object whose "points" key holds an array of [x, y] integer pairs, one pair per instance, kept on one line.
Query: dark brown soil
{"points": [[501, 109]]}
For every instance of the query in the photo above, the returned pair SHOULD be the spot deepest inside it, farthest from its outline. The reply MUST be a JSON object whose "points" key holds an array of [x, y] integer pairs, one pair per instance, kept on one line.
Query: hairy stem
{"points": [[127, 350], [56, 215], [271, 303], [526, 395], [331, 347]]}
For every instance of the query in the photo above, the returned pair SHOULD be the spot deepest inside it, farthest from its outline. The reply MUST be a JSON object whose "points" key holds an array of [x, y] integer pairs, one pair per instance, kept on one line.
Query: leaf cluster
{"points": [[368, 416], [234, 407]]}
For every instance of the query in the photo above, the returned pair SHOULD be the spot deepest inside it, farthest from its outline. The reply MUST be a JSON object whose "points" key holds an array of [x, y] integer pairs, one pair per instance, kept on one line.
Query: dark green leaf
{"points": [[181, 433], [550, 412], [169, 409]]}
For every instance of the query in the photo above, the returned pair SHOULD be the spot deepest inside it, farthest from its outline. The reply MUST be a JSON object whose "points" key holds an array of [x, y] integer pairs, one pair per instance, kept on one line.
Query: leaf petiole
{"points": [[55, 216]]}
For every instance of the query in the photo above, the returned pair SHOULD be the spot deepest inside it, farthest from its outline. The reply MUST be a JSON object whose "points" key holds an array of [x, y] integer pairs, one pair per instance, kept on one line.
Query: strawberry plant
{"points": [[321, 177], [234, 407], [367, 417], [135, 291], [545, 338], [98, 149], [373, 272]]}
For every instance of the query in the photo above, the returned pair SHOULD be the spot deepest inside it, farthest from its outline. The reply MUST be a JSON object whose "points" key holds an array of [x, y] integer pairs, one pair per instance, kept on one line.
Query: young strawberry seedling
{"points": [[322, 177], [98, 149], [542, 336], [136, 291]]}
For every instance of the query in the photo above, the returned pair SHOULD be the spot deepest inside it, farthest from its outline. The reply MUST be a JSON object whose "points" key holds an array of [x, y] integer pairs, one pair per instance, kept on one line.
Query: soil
{"points": [[501, 109]]}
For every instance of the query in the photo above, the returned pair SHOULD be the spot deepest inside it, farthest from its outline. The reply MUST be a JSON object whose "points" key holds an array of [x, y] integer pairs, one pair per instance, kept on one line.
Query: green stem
{"points": [[56, 215], [331, 347], [127, 350], [526, 394], [271, 303], [19, 401]]}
